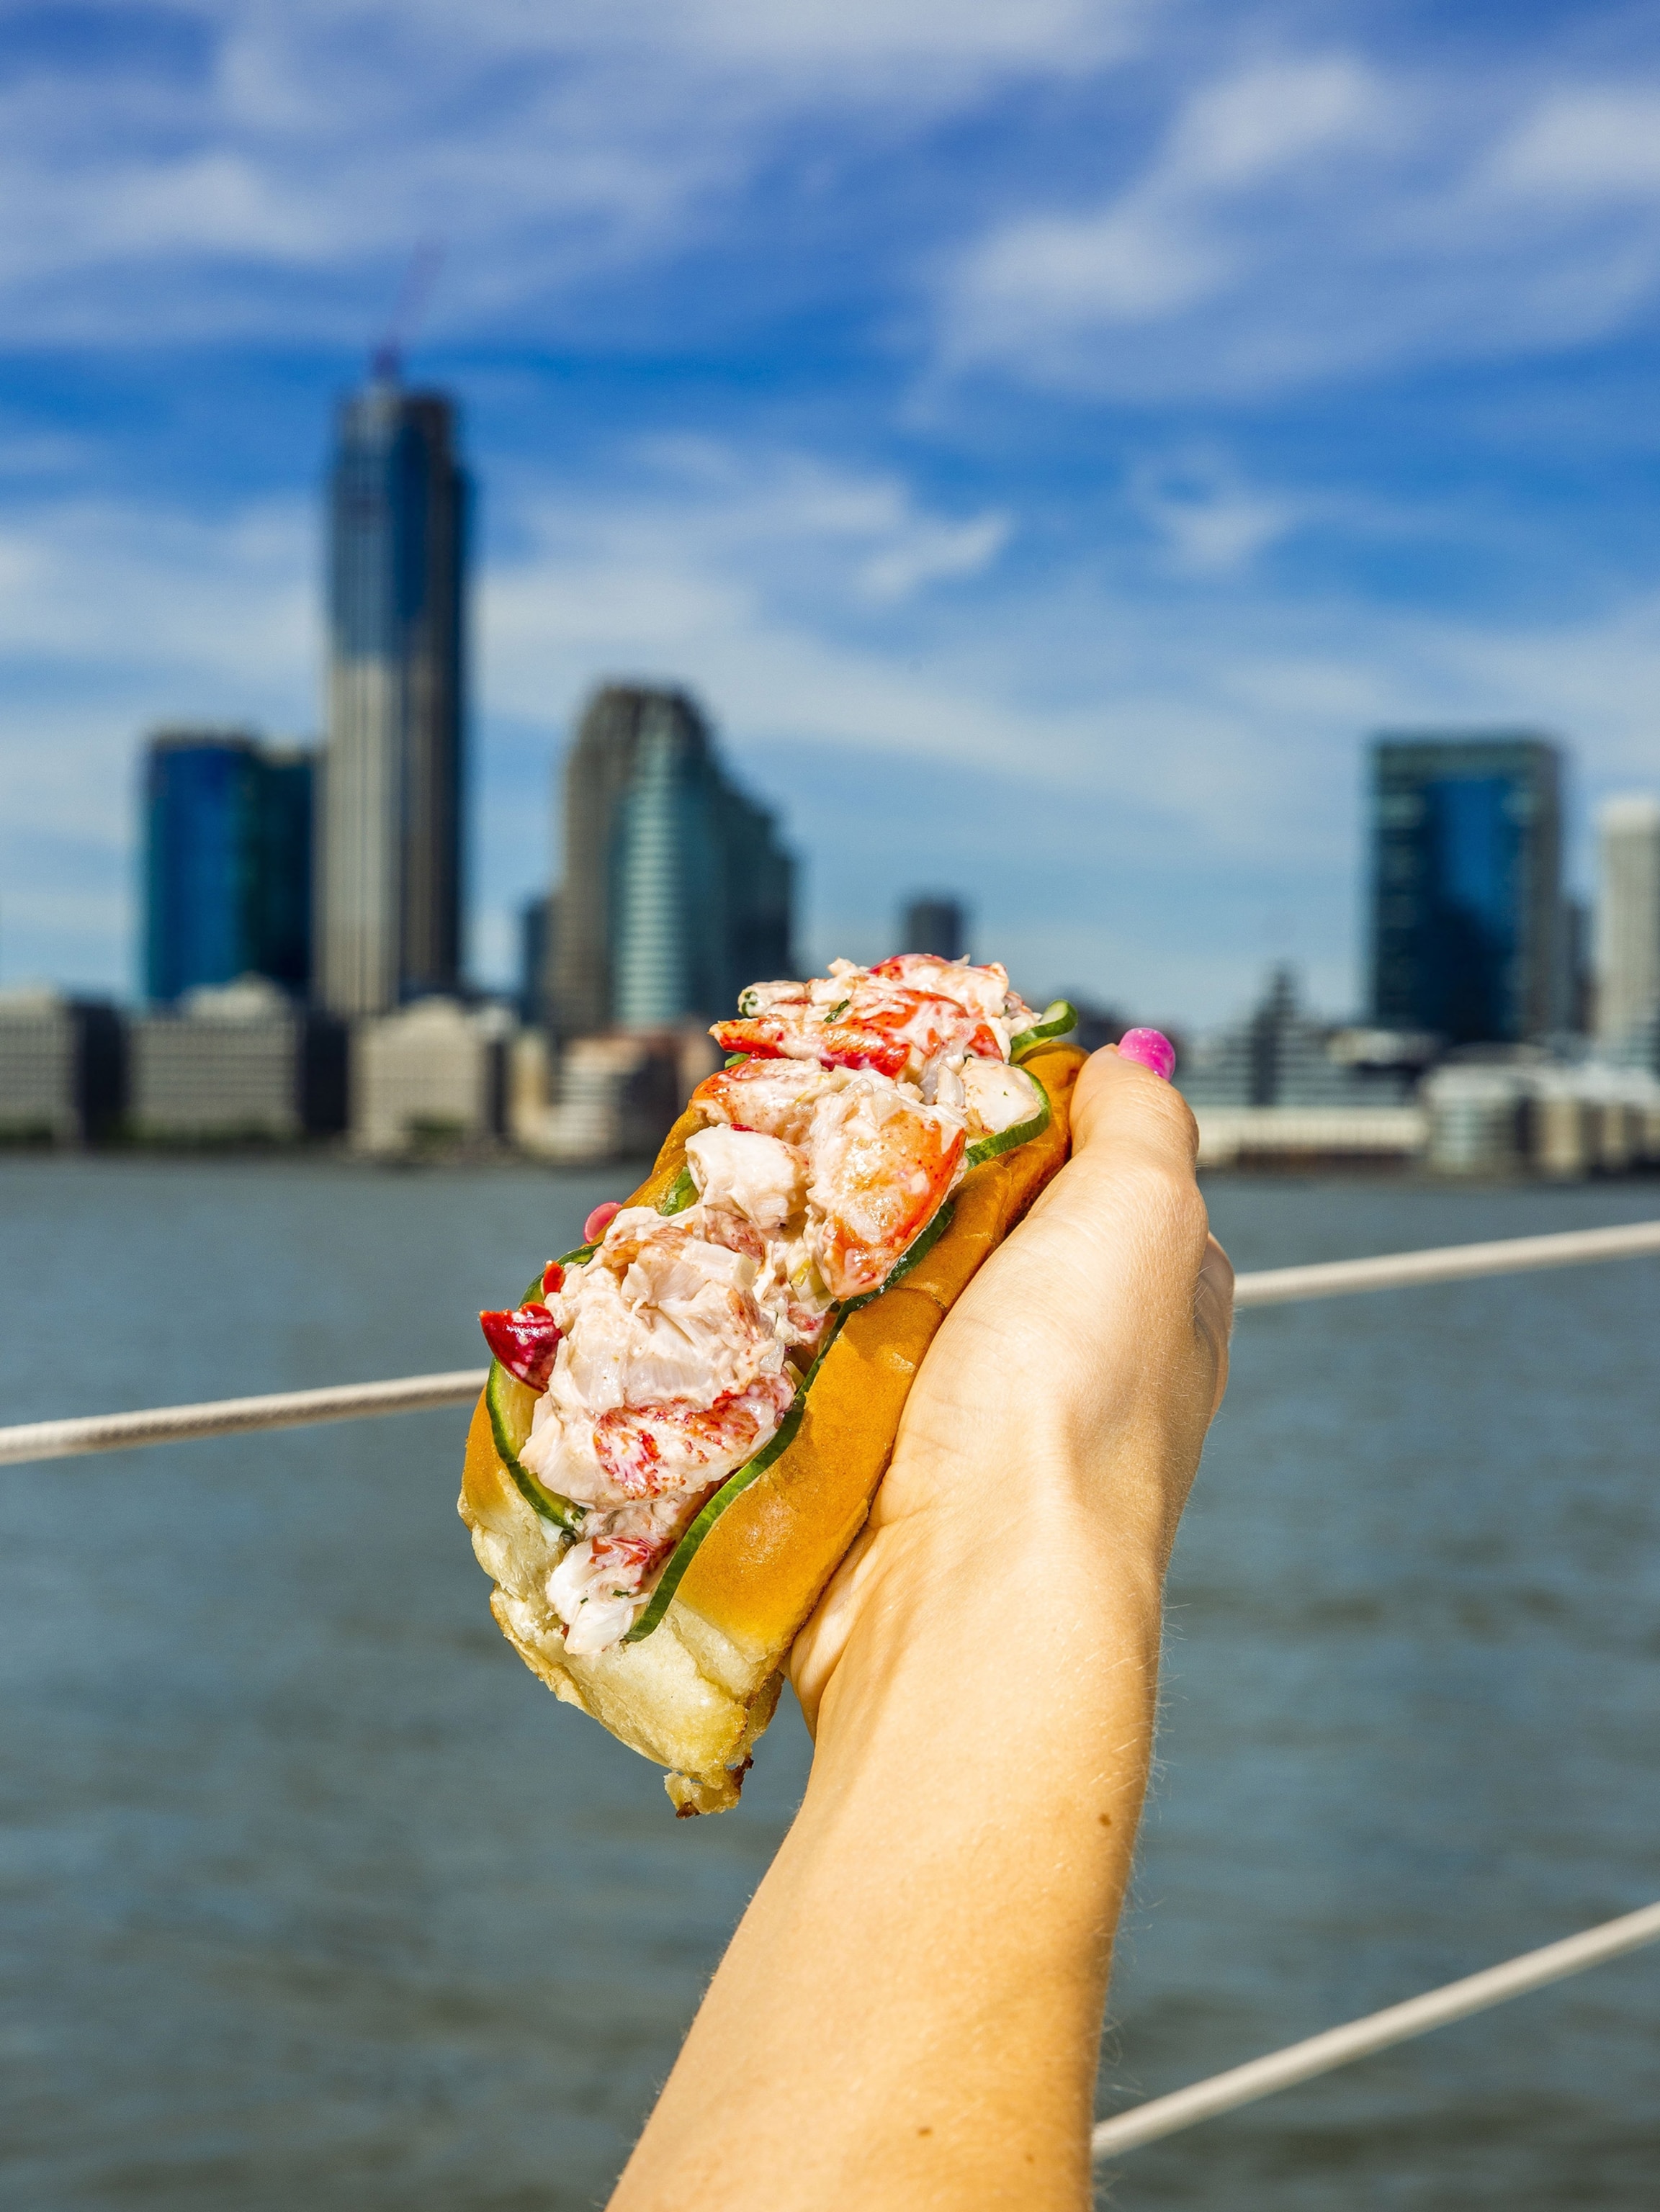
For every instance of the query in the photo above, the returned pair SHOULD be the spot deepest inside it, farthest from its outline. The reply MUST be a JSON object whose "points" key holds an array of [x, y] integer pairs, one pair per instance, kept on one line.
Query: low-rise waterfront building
{"points": [[1310, 1136], [1541, 1117], [433, 1075], [63, 1068], [238, 1062], [613, 1097]]}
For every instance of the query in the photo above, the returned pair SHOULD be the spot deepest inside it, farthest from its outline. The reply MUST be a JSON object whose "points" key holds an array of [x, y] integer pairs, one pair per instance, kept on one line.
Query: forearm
{"points": [[909, 2012]]}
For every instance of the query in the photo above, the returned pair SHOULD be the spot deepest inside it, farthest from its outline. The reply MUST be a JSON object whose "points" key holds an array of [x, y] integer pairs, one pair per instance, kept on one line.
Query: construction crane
{"points": [[386, 359]]}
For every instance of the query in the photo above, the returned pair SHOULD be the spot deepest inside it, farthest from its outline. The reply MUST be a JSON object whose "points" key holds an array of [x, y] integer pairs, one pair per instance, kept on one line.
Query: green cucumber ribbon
{"points": [[1058, 1019]]}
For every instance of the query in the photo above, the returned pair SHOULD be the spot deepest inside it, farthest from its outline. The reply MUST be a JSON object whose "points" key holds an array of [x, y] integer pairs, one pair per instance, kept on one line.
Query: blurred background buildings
{"points": [[303, 956], [227, 832]]}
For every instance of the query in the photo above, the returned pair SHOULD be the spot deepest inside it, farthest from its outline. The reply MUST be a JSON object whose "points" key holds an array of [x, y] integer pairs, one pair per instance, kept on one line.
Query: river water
{"points": [[310, 1895]]}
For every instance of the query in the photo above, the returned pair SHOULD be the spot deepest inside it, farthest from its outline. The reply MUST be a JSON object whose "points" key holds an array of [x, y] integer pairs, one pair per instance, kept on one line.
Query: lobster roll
{"points": [[686, 1419]]}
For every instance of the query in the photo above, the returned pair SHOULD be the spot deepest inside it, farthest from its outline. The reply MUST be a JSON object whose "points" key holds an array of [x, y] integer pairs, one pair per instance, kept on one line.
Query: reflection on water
{"points": [[311, 1895]]}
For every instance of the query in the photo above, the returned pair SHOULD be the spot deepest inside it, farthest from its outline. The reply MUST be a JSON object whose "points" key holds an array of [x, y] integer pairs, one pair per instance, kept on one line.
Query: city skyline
{"points": [[1050, 439]]}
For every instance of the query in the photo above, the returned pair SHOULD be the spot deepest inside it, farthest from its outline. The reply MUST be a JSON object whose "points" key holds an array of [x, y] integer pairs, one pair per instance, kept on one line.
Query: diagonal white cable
{"points": [[1446, 1263], [161, 1425], [225, 1417], [1340, 2046]]}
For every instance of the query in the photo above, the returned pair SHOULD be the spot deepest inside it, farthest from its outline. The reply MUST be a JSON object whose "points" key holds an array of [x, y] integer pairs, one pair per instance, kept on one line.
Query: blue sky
{"points": [[1048, 435]]}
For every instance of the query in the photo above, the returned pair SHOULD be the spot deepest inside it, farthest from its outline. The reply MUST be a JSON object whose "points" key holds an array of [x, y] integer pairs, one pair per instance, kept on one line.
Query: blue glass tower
{"points": [[393, 840], [228, 834], [678, 889], [1467, 935]]}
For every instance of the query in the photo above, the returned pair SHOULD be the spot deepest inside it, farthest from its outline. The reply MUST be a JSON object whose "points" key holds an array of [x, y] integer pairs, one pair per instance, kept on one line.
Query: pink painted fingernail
{"points": [[603, 1216], [1151, 1048]]}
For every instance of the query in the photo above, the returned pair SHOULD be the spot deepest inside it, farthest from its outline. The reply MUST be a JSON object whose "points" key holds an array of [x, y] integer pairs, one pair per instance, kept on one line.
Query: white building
{"points": [[234, 1061], [435, 1073], [617, 1095], [1542, 1118], [1310, 1136], [1628, 917], [61, 1068]]}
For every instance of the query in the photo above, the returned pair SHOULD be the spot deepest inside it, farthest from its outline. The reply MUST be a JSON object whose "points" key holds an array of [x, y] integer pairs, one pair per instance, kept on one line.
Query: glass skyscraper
{"points": [[228, 843], [677, 891], [392, 833], [1467, 928]]}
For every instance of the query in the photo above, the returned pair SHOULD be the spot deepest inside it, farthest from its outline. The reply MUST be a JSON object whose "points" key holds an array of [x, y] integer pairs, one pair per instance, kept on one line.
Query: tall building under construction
{"points": [[392, 830], [676, 888]]}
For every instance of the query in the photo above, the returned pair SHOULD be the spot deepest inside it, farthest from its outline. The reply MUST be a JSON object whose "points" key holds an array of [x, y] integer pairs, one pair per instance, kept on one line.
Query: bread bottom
{"points": [[689, 1696]]}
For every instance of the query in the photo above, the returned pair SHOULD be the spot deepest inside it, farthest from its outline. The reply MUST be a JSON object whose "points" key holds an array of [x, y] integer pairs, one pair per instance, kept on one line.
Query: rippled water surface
{"points": [[310, 1895]]}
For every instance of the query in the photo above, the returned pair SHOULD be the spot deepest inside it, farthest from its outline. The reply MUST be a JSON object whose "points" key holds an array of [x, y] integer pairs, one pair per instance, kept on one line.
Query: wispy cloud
{"points": [[156, 190], [1322, 215]]}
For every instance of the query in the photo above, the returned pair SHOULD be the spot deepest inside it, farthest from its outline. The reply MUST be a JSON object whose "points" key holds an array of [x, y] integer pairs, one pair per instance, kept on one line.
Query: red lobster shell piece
{"points": [[526, 1341]]}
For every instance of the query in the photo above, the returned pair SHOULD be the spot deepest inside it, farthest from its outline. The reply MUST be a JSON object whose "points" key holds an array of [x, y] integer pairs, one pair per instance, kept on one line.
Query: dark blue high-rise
{"points": [[1467, 934], [228, 839]]}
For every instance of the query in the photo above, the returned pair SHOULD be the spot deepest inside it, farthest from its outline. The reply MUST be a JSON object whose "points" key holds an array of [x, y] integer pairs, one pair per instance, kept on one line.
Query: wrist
{"points": [[986, 1599]]}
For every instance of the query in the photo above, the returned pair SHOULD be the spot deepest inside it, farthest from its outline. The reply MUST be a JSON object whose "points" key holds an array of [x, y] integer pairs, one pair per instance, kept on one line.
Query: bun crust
{"points": [[697, 1693]]}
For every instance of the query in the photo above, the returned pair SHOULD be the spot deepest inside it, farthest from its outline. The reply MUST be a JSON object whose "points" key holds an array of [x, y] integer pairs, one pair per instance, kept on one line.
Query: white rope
{"points": [[224, 1417], [348, 1401], [1340, 2046], [1447, 1263]]}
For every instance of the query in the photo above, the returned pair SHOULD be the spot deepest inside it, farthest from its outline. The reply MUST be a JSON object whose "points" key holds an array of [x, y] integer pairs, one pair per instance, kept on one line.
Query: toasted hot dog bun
{"points": [[696, 1693]]}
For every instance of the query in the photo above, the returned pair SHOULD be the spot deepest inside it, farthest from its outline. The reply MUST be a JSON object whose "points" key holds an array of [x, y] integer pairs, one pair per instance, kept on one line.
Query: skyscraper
{"points": [[1467, 935], [935, 923], [538, 920], [392, 842], [227, 843], [676, 891], [1627, 916]]}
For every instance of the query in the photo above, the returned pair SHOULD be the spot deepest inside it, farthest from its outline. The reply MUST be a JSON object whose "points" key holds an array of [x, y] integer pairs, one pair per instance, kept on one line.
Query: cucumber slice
{"points": [[988, 1148], [684, 1552], [1058, 1018], [511, 1404], [680, 1193]]}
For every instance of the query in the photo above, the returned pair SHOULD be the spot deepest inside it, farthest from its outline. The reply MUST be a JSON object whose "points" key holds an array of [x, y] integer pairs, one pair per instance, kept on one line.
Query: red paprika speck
{"points": [[600, 1220], [526, 1341]]}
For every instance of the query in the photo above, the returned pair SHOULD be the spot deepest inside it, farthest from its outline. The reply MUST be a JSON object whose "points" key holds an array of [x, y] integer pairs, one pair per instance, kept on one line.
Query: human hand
{"points": [[1077, 1373]]}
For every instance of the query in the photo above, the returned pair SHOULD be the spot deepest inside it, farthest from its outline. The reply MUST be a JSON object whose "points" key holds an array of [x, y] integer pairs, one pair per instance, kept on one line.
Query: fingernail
{"points": [[603, 1216], [1151, 1048]]}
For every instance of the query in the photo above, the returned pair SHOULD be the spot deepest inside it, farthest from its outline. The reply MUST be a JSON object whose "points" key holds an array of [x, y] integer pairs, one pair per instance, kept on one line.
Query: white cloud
{"points": [[1583, 144], [1306, 213], [1320, 217], [1061, 285], [321, 138], [1210, 521]]}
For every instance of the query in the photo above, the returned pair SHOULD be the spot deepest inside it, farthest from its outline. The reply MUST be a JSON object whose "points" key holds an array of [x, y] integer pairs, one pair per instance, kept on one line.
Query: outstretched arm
{"points": [[909, 2012]]}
